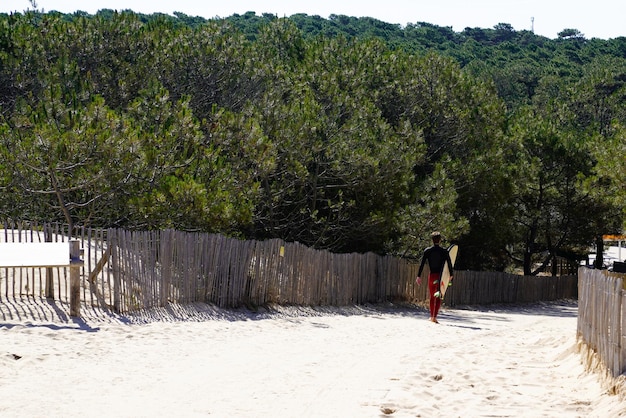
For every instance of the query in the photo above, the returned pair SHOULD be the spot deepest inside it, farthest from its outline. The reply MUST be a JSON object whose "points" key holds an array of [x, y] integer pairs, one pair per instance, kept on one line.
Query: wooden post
{"points": [[75, 265], [114, 243], [49, 283], [49, 270]]}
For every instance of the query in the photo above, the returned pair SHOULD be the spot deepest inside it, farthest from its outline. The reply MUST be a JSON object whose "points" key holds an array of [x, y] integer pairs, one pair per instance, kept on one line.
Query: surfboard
{"points": [[445, 275]]}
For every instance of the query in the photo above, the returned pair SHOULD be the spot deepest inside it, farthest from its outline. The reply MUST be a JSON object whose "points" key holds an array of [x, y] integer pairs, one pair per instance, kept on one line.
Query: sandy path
{"points": [[355, 362]]}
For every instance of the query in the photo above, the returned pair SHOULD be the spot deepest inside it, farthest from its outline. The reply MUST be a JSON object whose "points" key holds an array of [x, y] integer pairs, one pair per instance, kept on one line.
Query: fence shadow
{"points": [[205, 312], [43, 312], [562, 308]]}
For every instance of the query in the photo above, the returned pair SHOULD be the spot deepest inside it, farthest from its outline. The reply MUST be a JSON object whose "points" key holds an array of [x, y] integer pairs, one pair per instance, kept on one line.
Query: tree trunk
{"points": [[599, 261], [527, 262]]}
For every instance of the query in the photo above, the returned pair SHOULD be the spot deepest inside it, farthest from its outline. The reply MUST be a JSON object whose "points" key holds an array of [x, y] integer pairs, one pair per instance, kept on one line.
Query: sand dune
{"points": [[373, 361]]}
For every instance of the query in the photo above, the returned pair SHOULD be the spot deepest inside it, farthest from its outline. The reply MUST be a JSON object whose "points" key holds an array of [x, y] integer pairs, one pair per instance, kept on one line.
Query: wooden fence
{"points": [[484, 288], [153, 268], [601, 329], [130, 270]]}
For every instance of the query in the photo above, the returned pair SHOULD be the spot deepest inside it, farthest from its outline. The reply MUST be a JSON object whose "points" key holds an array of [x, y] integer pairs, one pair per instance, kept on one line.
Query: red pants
{"points": [[433, 287]]}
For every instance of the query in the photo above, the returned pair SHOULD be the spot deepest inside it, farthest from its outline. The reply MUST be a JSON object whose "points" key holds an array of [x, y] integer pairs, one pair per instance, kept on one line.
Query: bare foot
{"points": [[434, 320]]}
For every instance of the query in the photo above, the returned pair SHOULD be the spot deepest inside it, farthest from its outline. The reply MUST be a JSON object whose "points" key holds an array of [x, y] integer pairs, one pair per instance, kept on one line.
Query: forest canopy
{"points": [[347, 134]]}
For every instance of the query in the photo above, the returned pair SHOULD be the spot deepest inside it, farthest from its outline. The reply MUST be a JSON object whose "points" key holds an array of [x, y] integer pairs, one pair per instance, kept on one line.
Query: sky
{"points": [[594, 19]]}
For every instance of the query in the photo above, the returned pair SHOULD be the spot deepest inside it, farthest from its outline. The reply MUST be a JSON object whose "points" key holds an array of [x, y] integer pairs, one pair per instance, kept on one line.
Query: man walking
{"points": [[436, 257]]}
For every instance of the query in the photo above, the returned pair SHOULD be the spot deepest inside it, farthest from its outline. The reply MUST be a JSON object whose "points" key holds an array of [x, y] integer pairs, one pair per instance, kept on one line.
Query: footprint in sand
{"points": [[388, 410]]}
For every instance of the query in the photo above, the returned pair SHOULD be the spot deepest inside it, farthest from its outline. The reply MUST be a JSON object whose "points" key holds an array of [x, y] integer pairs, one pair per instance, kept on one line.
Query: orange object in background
{"points": [[613, 237]]}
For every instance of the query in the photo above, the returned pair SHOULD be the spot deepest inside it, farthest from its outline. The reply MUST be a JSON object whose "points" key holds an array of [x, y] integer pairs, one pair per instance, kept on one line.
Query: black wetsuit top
{"points": [[436, 257]]}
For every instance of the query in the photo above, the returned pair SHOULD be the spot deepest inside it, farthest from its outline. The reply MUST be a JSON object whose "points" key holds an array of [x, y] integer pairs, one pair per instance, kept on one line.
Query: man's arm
{"points": [[418, 279], [424, 258]]}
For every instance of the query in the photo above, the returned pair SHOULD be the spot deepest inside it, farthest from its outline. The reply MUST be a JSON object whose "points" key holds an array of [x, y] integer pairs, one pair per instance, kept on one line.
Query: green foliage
{"points": [[554, 212], [341, 168], [598, 110], [63, 154], [344, 133], [434, 208]]}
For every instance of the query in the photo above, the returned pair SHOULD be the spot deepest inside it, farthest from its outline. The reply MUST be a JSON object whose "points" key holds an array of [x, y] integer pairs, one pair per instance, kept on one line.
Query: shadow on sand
{"points": [[49, 313]]}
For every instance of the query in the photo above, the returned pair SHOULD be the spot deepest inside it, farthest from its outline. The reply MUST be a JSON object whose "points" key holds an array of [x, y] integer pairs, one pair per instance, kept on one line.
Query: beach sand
{"points": [[359, 361]]}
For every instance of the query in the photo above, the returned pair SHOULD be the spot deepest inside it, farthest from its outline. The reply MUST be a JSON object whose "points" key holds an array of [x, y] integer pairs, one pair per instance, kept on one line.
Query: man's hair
{"points": [[436, 236]]}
